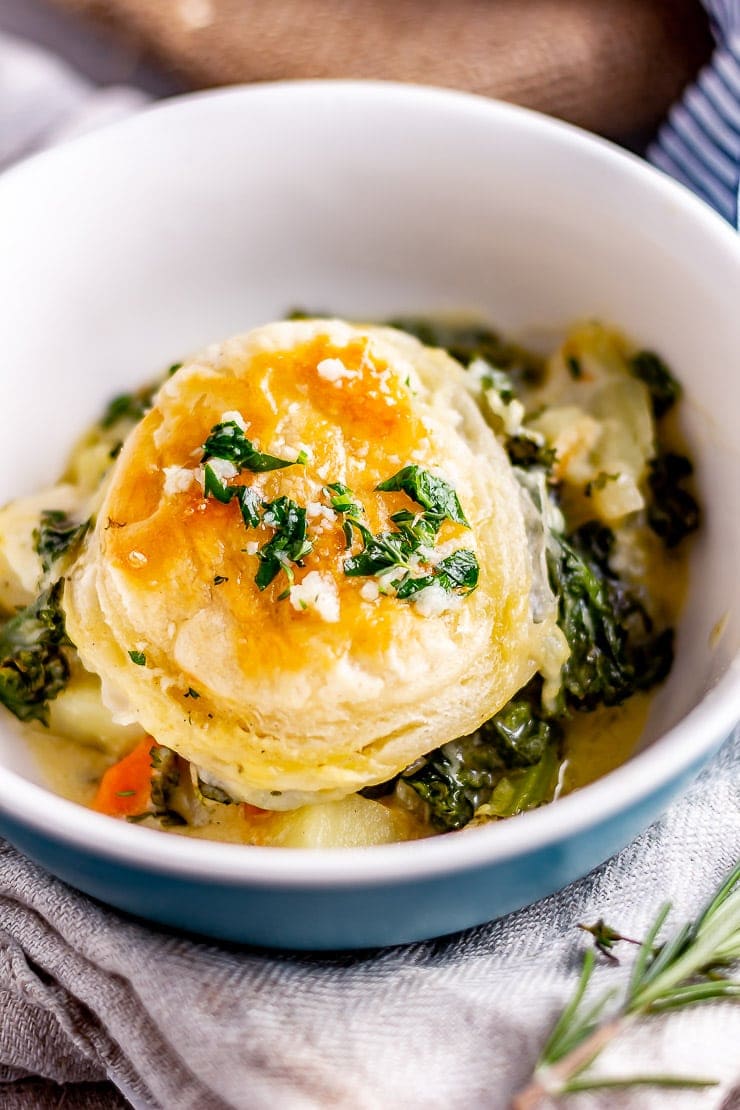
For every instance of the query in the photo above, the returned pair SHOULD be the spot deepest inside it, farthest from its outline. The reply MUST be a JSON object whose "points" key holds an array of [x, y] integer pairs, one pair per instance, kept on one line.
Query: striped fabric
{"points": [[699, 144]]}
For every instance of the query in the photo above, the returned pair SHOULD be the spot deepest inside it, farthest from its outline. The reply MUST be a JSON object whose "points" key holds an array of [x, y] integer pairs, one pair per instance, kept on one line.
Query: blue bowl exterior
{"points": [[329, 918]]}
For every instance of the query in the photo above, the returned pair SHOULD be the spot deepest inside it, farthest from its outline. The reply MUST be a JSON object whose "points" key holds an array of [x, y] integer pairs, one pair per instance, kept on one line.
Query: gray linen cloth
{"points": [[110, 1007]]}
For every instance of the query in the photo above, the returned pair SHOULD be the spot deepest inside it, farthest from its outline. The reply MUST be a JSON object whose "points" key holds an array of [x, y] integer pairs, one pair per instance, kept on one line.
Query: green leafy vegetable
{"points": [[342, 499], [614, 650], [672, 512], [137, 657], [128, 406], [433, 493], [457, 779], [343, 502], [467, 342], [34, 668], [664, 390], [600, 482], [520, 731], [165, 783], [380, 554], [390, 552], [214, 793], [289, 545], [227, 441], [574, 367], [407, 548], [395, 557], [456, 573], [519, 791], [527, 452], [56, 534]]}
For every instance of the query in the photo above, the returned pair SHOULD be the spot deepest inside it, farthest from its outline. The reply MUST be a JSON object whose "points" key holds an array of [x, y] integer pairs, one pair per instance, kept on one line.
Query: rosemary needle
{"points": [[686, 969]]}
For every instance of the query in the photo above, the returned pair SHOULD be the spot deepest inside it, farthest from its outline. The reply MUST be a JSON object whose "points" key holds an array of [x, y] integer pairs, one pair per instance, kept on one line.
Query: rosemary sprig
{"points": [[684, 970]]}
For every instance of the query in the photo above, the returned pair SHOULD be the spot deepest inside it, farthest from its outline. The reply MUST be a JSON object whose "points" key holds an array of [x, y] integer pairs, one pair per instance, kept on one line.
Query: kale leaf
{"points": [[56, 534], [127, 406], [664, 390], [458, 778], [614, 650], [34, 668], [455, 780], [672, 512], [526, 452], [467, 342]]}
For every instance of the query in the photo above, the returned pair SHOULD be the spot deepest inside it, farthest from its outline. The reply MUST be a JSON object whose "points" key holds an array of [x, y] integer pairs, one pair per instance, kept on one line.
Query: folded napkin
{"points": [[178, 1024], [120, 1012], [613, 66]]}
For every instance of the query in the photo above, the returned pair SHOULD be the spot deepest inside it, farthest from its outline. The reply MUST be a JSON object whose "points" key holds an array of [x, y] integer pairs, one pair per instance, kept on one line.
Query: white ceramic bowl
{"points": [[199, 218]]}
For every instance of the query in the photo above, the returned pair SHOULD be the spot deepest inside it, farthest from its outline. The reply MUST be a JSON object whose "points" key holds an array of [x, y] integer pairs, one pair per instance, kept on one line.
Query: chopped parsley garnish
{"points": [[191, 693], [227, 441], [34, 668], [428, 490], [247, 499], [381, 553], [56, 534], [342, 501], [137, 657], [289, 545], [395, 557], [214, 486], [456, 573], [600, 482], [219, 580], [249, 503]]}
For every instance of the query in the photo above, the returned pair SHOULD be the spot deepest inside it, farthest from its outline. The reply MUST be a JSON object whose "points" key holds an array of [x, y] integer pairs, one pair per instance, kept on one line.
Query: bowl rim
{"points": [[674, 753]]}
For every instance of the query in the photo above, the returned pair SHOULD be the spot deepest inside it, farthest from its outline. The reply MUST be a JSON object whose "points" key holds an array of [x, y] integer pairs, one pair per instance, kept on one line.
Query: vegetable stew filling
{"points": [[602, 491]]}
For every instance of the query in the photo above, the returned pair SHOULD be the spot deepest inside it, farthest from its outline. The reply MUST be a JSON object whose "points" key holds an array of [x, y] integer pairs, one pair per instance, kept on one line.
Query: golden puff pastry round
{"points": [[321, 682]]}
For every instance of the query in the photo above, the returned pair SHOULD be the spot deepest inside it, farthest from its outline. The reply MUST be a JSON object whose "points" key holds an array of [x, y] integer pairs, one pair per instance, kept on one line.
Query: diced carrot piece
{"points": [[125, 788], [250, 811]]}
